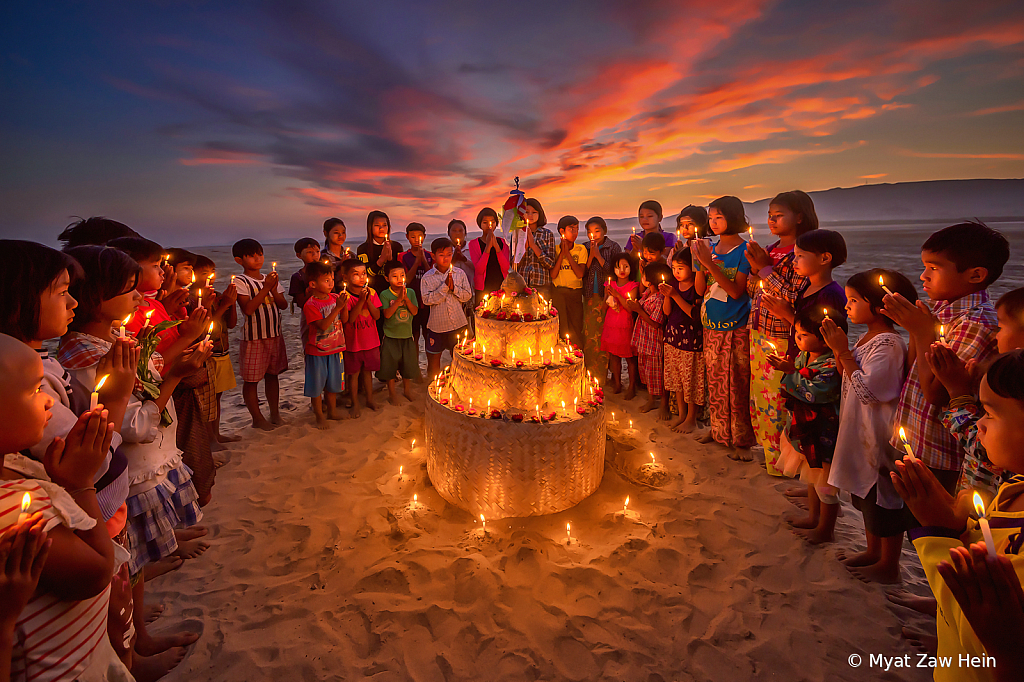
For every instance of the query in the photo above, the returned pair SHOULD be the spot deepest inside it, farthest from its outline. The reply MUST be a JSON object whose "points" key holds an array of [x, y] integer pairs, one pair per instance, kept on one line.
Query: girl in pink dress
{"points": [[618, 323]]}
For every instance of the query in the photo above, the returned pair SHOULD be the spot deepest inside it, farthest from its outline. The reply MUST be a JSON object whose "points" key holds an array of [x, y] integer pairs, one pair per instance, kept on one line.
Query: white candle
{"points": [[942, 333], [123, 323], [209, 333], [149, 315], [568, 533], [986, 530], [483, 523], [273, 266], [881, 283], [906, 443], [94, 400], [400, 469], [26, 502]]}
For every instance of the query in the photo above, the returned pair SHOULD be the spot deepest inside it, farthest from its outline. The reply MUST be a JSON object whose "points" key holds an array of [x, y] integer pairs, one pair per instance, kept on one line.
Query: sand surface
{"points": [[319, 570]]}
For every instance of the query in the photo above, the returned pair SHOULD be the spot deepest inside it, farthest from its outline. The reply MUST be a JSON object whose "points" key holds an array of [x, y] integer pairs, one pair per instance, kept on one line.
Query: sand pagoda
{"points": [[515, 426]]}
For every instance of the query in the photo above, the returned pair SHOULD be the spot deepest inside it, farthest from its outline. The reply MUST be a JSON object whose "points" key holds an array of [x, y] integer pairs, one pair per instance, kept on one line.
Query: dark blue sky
{"points": [[213, 120]]}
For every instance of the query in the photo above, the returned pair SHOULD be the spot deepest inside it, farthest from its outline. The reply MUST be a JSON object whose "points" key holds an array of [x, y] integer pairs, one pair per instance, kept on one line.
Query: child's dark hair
{"points": [[599, 221], [824, 241], [1006, 375], [349, 265], [542, 218], [971, 245], [315, 270], [107, 272], [630, 261], [139, 248], [305, 243], [28, 269], [204, 263], [652, 205], [867, 286], [416, 227], [653, 241], [455, 221], [330, 223], [731, 209], [372, 216], [440, 244], [657, 272], [567, 220], [95, 230], [801, 204], [810, 320], [176, 257], [683, 256], [484, 212], [392, 265], [698, 215], [1012, 304], [246, 247]]}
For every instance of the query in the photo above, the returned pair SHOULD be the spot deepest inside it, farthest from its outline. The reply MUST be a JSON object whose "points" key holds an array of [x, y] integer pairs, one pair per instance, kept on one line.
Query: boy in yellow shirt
{"points": [[567, 279], [980, 604]]}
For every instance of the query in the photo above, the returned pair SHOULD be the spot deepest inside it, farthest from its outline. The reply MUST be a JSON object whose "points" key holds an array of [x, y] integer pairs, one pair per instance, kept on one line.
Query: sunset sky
{"points": [[216, 120]]}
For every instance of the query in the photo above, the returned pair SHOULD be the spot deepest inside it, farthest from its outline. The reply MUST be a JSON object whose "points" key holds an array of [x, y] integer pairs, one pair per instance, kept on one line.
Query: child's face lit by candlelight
{"points": [[858, 309], [323, 285], [183, 274], [336, 236], [807, 341], [56, 309], [782, 222], [488, 224], [570, 232], [808, 263], [357, 277], [415, 238], [622, 269], [121, 306], [717, 221], [251, 263], [307, 255], [24, 404], [152, 277], [1010, 335], [443, 259], [532, 216], [943, 282], [648, 219], [380, 229], [648, 255], [1001, 429], [687, 228], [595, 233], [396, 278], [681, 271]]}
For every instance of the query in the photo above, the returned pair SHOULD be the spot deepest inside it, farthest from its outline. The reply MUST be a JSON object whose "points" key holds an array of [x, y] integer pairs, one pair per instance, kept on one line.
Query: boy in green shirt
{"points": [[567, 278], [398, 351]]}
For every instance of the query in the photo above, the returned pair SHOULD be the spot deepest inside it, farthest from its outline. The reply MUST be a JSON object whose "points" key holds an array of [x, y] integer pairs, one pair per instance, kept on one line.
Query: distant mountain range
{"points": [[897, 203]]}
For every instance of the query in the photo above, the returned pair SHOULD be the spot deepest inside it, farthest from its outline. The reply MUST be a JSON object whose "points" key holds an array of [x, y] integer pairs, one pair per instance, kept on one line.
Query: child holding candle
{"points": [[398, 352], [969, 625], [224, 316], [790, 214], [648, 339], [722, 281], [323, 336], [183, 264], [307, 250], [445, 289], [601, 252], [960, 262], [684, 342], [567, 279], [649, 215], [489, 254], [873, 372], [811, 389], [540, 249], [58, 633], [618, 323], [652, 250], [362, 345], [262, 353], [334, 249], [417, 261]]}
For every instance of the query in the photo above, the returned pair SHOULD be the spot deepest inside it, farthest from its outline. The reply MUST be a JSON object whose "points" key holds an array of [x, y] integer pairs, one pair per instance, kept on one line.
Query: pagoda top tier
{"points": [[515, 302]]}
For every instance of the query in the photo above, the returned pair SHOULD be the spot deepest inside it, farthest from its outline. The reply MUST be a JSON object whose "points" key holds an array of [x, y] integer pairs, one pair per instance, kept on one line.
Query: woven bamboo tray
{"points": [[502, 469], [516, 388], [501, 337]]}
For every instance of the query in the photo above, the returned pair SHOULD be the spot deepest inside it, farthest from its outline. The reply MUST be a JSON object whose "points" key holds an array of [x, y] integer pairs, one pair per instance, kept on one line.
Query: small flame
{"points": [[761, 283], [210, 331], [626, 503], [99, 384], [903, 435], [400, 470], [825, 310], [413, 446], [415, 498], [193, 278], [127, 319], [653, 461], [979, 505], [568, 529], [26, 502], [149, 313], [881, 281]]}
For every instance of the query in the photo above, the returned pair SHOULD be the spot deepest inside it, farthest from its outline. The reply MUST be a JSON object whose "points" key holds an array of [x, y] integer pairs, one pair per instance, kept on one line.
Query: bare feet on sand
{"points": [[153, 611], [796, 492], [150, 668], [799, 521], [856, 560], [878, 573], [408, 394], [630, 393], [683, 425], [191, 549], [186, 534], [704, 436], [354, 410], [336, 415], [923, 642], [153, 645], [664, 414], [926, 605], [815, 536], [370, 404], [275, 419], [165, 565], [222, 438], [741, 455], [262, 424], [321, 422], [649, 405]]}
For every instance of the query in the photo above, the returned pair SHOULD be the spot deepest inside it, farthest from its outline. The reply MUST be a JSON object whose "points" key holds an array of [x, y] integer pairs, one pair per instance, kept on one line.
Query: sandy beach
{"points": [[319, 569]]}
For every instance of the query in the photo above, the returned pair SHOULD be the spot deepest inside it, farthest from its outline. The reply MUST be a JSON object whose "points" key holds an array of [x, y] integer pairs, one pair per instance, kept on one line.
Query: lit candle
{"points": [[906, 443], [625, 505], [825, 310], [166, 259], [751, 231], [415, 500], [26, 502], [653, 461], [413, 446], [483, 524], [123, 323], [986, 530], [149, 314], [564, 413], [775, 349], [630, 424], [634, 230], [881, 283], [209, 333], [537, 408], [761, 285], [531, 355], [94, 400], [273, 266], [942, 333], [568, 533], [400, 468]]}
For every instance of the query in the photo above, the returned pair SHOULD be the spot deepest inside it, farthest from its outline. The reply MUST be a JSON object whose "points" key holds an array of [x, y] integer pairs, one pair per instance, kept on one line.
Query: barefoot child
{"points": [[362, 345], [445, 288], [722, 281], [617, 329], [417, 261], [398, 351], [601, 251], [323, 336], [307, 250], [684, 342], [811, 387], [223, 316], [567, 279], [262, 354], [648, 338], [540, 250], [948, 533], [790, 214], [873, 372]]}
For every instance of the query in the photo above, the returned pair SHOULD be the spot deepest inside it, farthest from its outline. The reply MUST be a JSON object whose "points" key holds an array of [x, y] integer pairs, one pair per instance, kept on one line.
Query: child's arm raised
{"points": [[396, 303], [917, 319], [325, 323], [119, 365], [409, 298], [673, 295], [374, 308], [277, 292], [735, 288], [578, 269]]}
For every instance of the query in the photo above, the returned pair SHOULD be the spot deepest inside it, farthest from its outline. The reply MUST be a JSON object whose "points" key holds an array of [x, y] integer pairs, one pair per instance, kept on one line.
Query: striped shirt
{"points": [[265, 322], [780, 280], [53, 638], [971, 325]]}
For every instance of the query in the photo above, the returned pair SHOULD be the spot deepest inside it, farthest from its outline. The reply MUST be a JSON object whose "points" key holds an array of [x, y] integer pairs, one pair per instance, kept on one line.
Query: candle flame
{"points": [[26, 501], [825, 310], [99, 384], [193, 278], [881, 281], [211, 328], [903, 435], [568, 529], [127, 319], [400, 469], [413, 446], [626, 503], [149, 313], [653, 461], [979, 505], [761, 283]]}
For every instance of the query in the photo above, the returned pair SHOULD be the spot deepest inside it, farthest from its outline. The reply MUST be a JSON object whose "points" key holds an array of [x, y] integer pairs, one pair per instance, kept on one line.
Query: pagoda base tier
{"points": [[505, 469]]}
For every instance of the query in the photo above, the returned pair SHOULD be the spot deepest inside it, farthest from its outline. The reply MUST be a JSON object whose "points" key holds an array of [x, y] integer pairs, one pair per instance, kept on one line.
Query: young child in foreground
{"points": [[981, 613], [223, 316], [873, 372], [262, 354], [362, 345], [617, 327], [445, 289], [323, 315], [684, 342], [398, 350], [648, 338]]}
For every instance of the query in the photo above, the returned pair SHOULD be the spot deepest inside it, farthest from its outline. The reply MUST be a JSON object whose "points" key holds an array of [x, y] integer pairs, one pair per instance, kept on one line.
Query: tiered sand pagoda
{"points": [[515, 427]]}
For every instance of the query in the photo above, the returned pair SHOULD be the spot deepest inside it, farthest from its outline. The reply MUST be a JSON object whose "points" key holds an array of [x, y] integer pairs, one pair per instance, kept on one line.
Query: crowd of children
{"points": [[116, 451]]}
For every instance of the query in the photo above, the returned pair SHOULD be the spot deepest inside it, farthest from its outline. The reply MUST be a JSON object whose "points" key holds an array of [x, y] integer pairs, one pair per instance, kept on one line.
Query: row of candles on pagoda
{"points": [[545, 304], [559, 353]]}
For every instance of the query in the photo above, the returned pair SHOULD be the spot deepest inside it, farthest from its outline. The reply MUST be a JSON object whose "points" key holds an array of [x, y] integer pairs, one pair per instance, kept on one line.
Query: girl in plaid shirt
{"points": [[648, 339]]}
